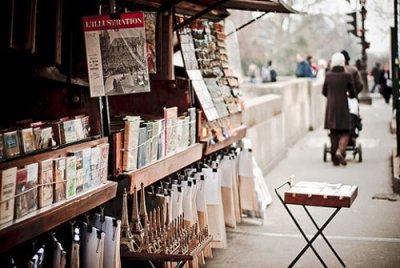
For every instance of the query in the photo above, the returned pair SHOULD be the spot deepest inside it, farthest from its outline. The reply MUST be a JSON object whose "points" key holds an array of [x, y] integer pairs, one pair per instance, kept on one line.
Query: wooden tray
{"points": [[321, 194]]}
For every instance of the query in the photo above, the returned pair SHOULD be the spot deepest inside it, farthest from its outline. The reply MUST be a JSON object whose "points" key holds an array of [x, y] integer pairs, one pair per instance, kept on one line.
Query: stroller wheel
{"points": [[359, 153], [325, 151]]}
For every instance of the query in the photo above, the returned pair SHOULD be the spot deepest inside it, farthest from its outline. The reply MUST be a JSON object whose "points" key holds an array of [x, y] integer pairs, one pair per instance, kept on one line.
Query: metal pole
{"points": [[364, 96], [395, 75]]}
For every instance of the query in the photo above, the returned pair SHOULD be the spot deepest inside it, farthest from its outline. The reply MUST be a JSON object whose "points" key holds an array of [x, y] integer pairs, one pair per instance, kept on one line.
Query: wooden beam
{"points": [[164, 167], [45, 219]]}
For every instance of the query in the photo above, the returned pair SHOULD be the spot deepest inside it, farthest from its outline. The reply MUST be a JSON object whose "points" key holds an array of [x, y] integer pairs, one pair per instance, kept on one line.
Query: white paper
{"points": [[200, 197], [212, 189], [245, 168], [176, 201], [187, 202], [225, 172]]}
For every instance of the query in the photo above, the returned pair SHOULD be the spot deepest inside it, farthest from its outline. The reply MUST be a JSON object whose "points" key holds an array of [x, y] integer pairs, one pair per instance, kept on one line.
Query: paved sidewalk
{"points": [[365, 235]]}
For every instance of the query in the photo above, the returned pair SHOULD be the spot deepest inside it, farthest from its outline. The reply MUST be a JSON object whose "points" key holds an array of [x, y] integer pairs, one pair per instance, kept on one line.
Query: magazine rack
{"points": [[316, 194]]}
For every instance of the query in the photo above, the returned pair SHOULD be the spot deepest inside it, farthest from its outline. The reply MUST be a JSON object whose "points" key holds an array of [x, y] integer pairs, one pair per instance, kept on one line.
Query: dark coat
{"points": [[337, 86], [358, 83]]}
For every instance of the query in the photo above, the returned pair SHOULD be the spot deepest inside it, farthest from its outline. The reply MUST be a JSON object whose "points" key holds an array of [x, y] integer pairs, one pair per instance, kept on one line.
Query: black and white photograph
{"points": [[116, 54]]}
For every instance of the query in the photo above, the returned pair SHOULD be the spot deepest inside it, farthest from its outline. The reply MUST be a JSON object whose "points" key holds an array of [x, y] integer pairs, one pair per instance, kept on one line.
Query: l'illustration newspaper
{"points": [[116, 54]]}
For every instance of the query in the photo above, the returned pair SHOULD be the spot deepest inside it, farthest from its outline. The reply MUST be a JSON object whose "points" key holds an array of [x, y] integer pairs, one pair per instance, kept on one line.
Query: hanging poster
{"points": [[116, 54]]}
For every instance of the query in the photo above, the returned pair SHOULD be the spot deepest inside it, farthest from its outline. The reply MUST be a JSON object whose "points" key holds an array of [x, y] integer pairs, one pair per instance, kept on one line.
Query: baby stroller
{"points": [[356, 124]]}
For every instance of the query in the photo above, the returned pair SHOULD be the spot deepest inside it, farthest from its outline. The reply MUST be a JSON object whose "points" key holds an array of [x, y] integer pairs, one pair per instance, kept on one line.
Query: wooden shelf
{"points": [[237, 134], [162, 257], [164, 167], [47, 218], [54, 152]]}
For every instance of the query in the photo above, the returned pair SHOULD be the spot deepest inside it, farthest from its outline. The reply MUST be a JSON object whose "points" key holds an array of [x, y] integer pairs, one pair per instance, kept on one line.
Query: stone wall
{"points": [[279, 114]]}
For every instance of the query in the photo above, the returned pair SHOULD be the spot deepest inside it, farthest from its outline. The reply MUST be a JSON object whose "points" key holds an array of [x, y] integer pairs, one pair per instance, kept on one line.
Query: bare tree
{"points": [[279, 37]]}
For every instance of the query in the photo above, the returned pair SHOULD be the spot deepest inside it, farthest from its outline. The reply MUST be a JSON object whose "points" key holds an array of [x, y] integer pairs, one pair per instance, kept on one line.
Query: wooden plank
{"points": [[47, 218], [118, 145], [54, 152], [164, 167], [237, 134]]}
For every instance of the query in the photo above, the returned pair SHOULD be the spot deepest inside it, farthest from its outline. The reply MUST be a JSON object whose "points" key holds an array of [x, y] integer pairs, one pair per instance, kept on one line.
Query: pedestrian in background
{"points": [[322, 68], [358, 84], [268, 73], [303, 68], [385, 83], [337, 87], [313, 66], [253, 73], [376, 74]]}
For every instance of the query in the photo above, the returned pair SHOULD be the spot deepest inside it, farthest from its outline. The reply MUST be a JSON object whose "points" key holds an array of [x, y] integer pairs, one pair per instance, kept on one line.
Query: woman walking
{"points": [[338, 86]]}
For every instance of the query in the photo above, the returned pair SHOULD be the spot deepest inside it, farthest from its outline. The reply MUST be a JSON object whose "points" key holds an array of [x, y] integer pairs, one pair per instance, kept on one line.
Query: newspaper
{"points": [[116, 54]]}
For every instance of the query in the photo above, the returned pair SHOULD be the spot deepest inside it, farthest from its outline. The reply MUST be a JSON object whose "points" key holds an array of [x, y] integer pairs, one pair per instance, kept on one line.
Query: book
{"points": [[46, 138], [56, 127], [170, 118], [86, 156], [192, 125], [185, 133], [36, 135], [104, 150], [70, 165], [86, 126], [179, 134], [46, 187], [8, 181], [141, 152], [79, 129], [21, 202], [59, 171], [154, 141], [148, 142], [131, 139], [68, 131], [79, 170], [161, 139], [11, 143], [116, 54], [27, 140], [95, 166], [31, 186]]}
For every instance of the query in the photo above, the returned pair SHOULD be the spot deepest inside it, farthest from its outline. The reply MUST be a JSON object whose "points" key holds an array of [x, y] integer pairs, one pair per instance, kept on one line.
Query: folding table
{"points": [[306, 193]]}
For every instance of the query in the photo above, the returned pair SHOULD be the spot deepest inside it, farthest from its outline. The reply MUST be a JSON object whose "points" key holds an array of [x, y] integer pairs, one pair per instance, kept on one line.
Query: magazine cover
{"points": [[116, 54]]}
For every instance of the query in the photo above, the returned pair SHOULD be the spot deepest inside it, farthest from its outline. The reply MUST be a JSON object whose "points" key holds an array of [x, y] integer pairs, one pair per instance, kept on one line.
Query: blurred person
{"points": [[253, 72], [375, 73], [322, 68], [358, 84], [337, 87], [268, 73], [303, 68], [385, 83], [314, 68]]}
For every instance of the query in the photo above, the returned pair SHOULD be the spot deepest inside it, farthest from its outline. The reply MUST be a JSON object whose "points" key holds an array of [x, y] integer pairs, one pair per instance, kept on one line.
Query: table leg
{"points": [[301, 231], [309, 242], [323, 236]]}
